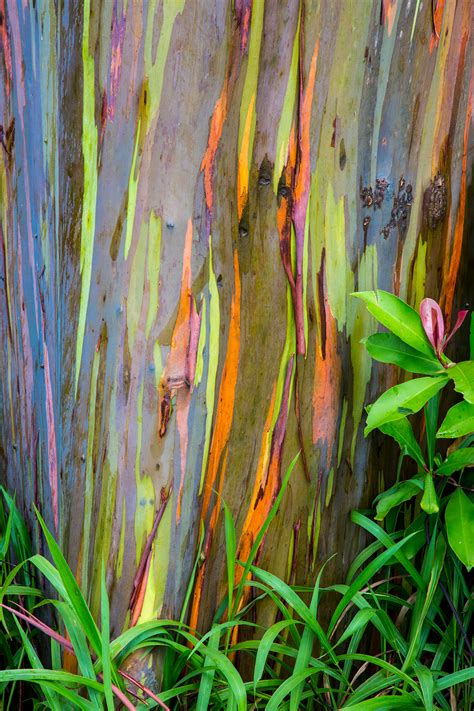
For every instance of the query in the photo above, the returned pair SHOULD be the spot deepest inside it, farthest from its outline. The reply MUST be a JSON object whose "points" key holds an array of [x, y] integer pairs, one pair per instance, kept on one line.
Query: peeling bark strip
{"points": [[189, 184], [140, 580]]}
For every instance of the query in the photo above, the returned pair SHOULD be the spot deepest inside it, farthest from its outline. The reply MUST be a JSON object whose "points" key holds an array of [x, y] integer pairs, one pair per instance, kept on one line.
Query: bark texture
{"points": [[190, 191]]}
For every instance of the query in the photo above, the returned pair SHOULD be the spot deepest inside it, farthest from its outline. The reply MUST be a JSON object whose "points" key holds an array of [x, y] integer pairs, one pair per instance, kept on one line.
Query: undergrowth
{"points": [[397, 638]]}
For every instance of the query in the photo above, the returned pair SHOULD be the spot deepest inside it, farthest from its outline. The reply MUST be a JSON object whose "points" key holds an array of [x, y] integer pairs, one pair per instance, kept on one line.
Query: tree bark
{"points": [[190, 191]]}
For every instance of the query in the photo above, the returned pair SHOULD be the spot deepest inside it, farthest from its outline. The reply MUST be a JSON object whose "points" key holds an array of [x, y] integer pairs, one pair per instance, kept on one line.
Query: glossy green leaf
{"points": [[266, 645], [431, 425], [231, 551], [459, 421], [73, 592], [36, 664], [404, 702], [388, 348], [404, 399], [398, 317], [105, 639], [459, 517], [359, 621], [293, 599], [463, 376], [207, 677], [225, 667], [429, 502], [306, 646], [426, 679], [457, 460], [402, 432], [288, 685], [397, 494], [458, 677]]}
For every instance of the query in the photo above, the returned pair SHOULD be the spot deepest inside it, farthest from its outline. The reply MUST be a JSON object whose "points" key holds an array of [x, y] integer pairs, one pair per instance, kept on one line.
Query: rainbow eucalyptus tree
{"points": [[190, 191]]}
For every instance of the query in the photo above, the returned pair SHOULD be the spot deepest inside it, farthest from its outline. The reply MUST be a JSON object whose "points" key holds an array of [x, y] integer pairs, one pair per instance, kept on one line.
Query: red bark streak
{"points": [[453, 252], [243, 10], [7, 55]]}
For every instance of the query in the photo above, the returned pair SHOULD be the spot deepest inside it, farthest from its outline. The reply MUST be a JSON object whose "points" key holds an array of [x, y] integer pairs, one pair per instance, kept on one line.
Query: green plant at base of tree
{"points": [[392, 641], [416, 343]]}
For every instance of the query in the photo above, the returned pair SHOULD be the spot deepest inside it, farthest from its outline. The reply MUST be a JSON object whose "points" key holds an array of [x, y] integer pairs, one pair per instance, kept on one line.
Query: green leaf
{"points": [[207, 677], [459, 421], [287, 687], [292, 599], [386, 703], [388, 348], [36, 664], [105, 639], [362, 579], [406, 398], [429, 502], [425, 677], [471, 337], [306, 646], [459, 517], [231, 552], [360, 621], [431, 424], [463, 376], [79, 643], [225, 667], [402, 432], [265, 647], [397, 494], [73, 592], [458, 677], [398, 317], [460, 458]]}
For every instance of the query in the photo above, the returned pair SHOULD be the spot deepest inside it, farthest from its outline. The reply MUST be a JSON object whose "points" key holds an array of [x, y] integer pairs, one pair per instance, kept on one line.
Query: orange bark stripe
{"points": [[225, 406], [302, 183], [220, 434], [215, 132], [255, 515], [267, 485], [327, 384], [437, 23]]}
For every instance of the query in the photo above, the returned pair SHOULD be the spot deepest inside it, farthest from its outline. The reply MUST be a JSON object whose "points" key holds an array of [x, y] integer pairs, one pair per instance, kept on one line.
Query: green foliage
{"points": [[397, 636], [387, 604], [447, 491], [459, 421], [460, 524]]}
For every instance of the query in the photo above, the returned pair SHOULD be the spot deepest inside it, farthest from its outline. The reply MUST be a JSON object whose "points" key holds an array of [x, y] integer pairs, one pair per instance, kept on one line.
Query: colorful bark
{"points": [[189, 193]]}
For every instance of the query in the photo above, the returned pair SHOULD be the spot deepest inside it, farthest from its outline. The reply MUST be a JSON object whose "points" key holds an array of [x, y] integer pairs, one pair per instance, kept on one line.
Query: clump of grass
{"points": [[392, 641]]}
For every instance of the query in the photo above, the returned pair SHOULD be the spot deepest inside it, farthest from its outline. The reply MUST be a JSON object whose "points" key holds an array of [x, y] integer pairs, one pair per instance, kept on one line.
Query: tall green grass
{"points": [[393, 641]]}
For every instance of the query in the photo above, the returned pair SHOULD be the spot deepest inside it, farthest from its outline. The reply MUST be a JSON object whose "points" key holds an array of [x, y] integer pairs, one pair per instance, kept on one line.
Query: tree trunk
{"points": [[190, 191]]}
